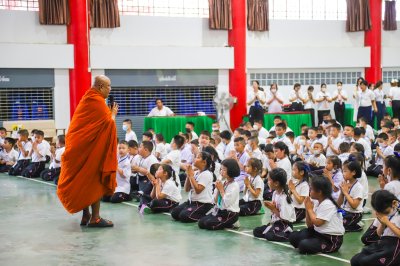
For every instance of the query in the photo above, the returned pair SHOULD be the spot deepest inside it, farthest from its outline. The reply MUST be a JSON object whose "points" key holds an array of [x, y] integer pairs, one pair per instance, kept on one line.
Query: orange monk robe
{"points": [[89, 162]]}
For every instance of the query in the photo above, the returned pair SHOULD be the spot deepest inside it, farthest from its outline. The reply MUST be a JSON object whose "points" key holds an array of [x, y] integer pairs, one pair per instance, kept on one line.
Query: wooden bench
{"points": [[47, 126]]}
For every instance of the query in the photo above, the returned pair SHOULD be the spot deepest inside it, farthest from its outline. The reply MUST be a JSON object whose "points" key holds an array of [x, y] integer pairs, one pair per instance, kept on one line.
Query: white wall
{"points": [[61, 98]]}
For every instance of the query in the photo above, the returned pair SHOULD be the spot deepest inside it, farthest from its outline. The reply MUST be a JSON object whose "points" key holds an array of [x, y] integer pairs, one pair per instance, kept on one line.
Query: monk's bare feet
{"points": [[86, 216]]}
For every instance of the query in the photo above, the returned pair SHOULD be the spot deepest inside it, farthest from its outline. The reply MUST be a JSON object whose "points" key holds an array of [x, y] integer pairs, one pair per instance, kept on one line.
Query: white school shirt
{"points": [[364, 183], [228, 148], [365, 97], [285, 165], [394, 219], [335, 142], [338, 179], [293, 95], [393, 187], [356, 192], [186, 154], [251, 95], [131, 136], [171, 191], [194, 135], [205, 179], [257, 154], [147, 162], [59, 152], [309, 104], [288, 129], [220, 148], [2, 141], [257, 183], [318, 161], [47, 144], [379, 96], [285, 140], [344, 156], [165, 111], [367, 148], [265, 162], [303, 189], [243, 158], [42, 151], [123, 181], [135, 159], [386, 152], [27, 147], [160, 148], [324, 141], [328, 212], [394, 144], [274, 106], [263, 133], [230, 201], [339, 99], [175, 157], [286, 210], [324, 105], [369, 133], [395, 93], [11, 156]]}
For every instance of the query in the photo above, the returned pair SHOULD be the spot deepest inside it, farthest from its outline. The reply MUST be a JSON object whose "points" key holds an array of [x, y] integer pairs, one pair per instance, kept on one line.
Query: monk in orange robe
{"points": [[89, 162]]}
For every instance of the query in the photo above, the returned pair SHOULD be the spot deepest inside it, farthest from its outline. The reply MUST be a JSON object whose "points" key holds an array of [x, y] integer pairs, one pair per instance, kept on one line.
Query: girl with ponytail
{"points": [[199, 185], [281, 207], [325, 230], [299, 188]]}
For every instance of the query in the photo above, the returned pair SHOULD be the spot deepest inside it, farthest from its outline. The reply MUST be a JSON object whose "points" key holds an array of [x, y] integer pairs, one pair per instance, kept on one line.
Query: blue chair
{"points": [[39, 111], [19, 111]]}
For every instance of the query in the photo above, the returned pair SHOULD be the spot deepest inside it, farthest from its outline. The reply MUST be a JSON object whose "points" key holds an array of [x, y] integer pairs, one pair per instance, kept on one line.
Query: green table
{"points": [[172, 125], [349, 112], [294, 120]]}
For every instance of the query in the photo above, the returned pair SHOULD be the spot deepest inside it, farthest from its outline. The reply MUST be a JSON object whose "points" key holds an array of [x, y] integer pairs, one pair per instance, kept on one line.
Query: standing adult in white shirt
{"points": [[274, 99], [160, 109], [340, 98], [323, 99], [394, 94], [255, 100], [296, 98], [380, 103], [309, 104], [366, 99], [356, 102]]}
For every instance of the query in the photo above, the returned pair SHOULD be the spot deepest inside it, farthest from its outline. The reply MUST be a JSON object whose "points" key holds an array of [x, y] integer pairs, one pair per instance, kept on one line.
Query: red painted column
{"points": [[237, 76], [373, 39], [78, 35]]}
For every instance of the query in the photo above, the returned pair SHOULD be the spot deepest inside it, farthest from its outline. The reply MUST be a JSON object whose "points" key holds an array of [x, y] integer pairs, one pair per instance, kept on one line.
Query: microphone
{"points": [[110, 101]]}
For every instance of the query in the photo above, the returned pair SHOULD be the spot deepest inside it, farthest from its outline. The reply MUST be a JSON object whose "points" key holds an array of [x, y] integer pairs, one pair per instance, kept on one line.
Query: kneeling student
{"points": [[226, 197], [254, 188], [53, 172]]}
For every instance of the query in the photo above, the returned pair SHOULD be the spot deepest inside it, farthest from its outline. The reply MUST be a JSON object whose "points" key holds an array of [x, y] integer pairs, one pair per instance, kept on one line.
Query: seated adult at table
{"points": [[255, 100], [160, 109], [274, 99], [277, 120]]}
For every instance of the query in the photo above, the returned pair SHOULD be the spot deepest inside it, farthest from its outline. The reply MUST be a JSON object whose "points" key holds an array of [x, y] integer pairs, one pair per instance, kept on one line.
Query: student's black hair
{"points": [[303, 125], [344, 147], [214, 154], [305, 167], [269, 148], [254, 139], [272, 134], [282, 146], [186, 136], [225, 135], [388, 124], [259, 121], [393, 162], [296, 85], [339, 82], [132, 144], [272, 84], [240, 130], [323, 185], [393, 133], [357, 131], [128, 121], [336, 125], [123, 142], [10, 140], [195, 142], [179, 141], [256, 81], [3, 129], [310, 88], [160, 137], [350, 126], [33, 131], [378, 84], [61, 139], [23, 132], [240, 139], [363, 119], [382, 199], [289, 134], [397, 147], [148, 134], [170, 172], [190, 123], [279, 175], [153, 168], [159, 99], [210, 164], [313, 128], [359, 157], [247, 133], [364, 82], [278, 117], [255, 164], [337, 163], [383, 136], [233, 169], [354, 166], [39, 132], [323, 84], [148, 145], [205, 133], [358, 146], [281, 125]]}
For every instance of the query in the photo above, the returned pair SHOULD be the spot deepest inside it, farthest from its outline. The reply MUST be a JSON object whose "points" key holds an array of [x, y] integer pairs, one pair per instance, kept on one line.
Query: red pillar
{"points": [[237, 76], [78, 35], [373, 39]]}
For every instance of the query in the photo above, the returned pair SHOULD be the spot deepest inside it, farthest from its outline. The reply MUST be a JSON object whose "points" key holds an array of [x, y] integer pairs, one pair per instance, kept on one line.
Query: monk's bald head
{"points": [[103, 85]]}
